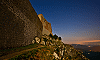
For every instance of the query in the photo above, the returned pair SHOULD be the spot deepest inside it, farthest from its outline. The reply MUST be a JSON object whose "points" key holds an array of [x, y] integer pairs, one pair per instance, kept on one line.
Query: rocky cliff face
{"points": [[46, 25], [19, 23]]}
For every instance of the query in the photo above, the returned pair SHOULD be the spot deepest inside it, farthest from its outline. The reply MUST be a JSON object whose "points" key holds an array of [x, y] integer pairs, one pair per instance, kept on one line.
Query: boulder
{"points": [[50, 38], [51, 44], [42, 39], [37, 40], [56, 56], [42, 42], [62, 52], [33, 41]]}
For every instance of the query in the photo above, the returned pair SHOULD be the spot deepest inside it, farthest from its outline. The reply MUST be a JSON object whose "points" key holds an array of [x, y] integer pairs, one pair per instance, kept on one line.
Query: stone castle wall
{"points": [[19, 23], [46, 25]]}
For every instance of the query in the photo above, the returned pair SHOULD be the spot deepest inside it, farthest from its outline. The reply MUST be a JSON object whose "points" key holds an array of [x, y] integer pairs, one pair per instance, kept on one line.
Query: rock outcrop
{"points": [[61, 50], [37, 40], [46, 25]]}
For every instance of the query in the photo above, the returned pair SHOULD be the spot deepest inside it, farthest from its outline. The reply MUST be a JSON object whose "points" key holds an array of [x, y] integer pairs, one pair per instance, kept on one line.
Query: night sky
{"points": [[76, 21]]}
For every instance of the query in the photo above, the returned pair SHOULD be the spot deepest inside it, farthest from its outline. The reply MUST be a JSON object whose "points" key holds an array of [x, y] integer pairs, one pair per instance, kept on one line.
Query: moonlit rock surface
{"points": [[37, 39], [56, 56]]}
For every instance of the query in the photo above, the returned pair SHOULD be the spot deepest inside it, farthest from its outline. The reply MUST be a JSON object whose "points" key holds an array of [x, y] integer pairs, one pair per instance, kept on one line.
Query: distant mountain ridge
{"points": [[87, 47]]}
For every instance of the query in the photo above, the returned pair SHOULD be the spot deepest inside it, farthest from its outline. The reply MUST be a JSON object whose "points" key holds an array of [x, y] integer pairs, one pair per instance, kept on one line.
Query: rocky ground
{"points": [[52, 49]]}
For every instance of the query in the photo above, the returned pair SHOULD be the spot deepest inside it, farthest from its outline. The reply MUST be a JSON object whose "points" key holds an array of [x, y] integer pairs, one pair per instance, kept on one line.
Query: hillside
{"points": [[53, 49]]}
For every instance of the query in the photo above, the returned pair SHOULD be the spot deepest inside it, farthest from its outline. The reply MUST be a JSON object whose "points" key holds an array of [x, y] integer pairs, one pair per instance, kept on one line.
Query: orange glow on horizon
{"points": [[82, 42], [78, 40], [92, 41]]}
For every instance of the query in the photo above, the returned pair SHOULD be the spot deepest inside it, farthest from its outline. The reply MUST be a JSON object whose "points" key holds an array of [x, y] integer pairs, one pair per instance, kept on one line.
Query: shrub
{"points": [[59, 38], [50, 35], [55, 36]]}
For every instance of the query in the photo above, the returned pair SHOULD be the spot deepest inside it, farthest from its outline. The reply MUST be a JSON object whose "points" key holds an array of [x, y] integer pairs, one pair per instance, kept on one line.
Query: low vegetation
{"points": [[54, 36], [43, 53], [12, 50]]}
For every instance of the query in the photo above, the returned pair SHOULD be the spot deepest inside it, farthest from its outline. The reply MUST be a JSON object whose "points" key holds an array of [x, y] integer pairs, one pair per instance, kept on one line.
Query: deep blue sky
{"points": [[74, 20]]}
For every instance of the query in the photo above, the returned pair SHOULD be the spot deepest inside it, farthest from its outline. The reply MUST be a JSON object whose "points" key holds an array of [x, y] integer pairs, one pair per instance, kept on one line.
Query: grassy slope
{"points": [[9, 51], [43, 53]]}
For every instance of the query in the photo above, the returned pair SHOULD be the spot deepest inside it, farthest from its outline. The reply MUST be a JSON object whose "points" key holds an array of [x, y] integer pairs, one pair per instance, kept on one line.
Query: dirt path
{"points": [[6, 57]]}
